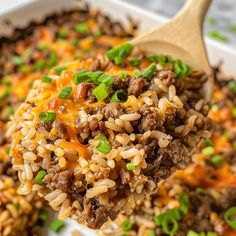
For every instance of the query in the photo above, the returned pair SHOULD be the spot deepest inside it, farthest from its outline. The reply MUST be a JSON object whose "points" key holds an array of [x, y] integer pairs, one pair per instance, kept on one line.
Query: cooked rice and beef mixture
{"points": [[96, 135], [24, 57], [200, 200]]}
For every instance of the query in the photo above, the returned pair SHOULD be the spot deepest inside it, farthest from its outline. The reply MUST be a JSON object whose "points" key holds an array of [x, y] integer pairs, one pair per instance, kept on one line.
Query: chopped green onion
{"points": [[192, 233], [39, 177], [211, 20], [17, 206], [234, 145], [216, 160], [181, 69], [65, 92], [47, 116], [63, 33], [43, 216], [57, 225], [200, 190], [229, 214], [101, 92], [217, 35], [183, 202], [5, 94], [82, 76], [214, 107], [81, 28], [234, 112], [106, 79], [208, 151], [59, 69], [174, 213], [17, 60], [42, 47], [208, 142], [103, 145], [6, 81], [153, 58], [75, 42], [126, 225], [52, 61], [232, 86], [27, 53], [46, 79], [151, 233], [10, 111], [122, 74], [119, 96], [40, 65], [25, 69], [149, 71], [232, 28], [97, 33], [170, 225], [135, 61], [211, 234], [118, 54], [130, 166], [137, 74]]}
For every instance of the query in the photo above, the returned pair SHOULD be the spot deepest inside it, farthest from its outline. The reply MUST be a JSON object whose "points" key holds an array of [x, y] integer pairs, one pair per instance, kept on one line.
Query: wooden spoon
{"points": [[182, 38]]}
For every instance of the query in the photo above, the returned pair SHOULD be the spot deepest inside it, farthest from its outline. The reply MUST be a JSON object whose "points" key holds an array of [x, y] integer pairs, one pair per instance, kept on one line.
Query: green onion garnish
{"points": [[153, 58], [175, 214], [130, 166], [17, 206], [208, 142], [229, 215], [59, 69], [232, 28], [6, 81], [81, 28], [10, 111], [211, 234], [52, 61], [17, 60], [183, 202], [47, 116], [105, 79], [232, 86], [149, 71], [119, 96], [216, 160], [57, 225], [46, 79], [192, 233], [65, 92], [137, 74], [170, 225], [234, 112], [118, 54], [82, 76], [234, 145], [63, 33], [122, 74], [43, 216], [75, 42], [39, 177], [42, 47], [103, 145], [151, 233], [200, 190], [126, 225], [208, 151], [26, 53], [211, 20], [135, 61], [101, 92], [97, 33], [181, 69], [217, 35]]}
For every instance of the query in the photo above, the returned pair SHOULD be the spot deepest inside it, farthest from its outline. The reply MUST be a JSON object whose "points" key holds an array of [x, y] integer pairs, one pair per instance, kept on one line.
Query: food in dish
{"points": [[96, 135], [201, 199]]}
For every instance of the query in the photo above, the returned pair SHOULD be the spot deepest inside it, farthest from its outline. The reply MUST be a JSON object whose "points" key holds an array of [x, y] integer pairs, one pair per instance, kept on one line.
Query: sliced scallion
{"points": [[208, 151], [137, 74], [81, 28], [47, 116], [234, 112], [65, 92], [59, 69], [103, 145], [151, 233], [126, 225], [216, 160], [122, 74], [183, 202], [101, 92], [217, 35], [149, 71], [43, 216], [46, 79], [229, 217], [130, 166], [232, 86], [119, 96], [135, 61], [170, 225], [39, 177], [57, 225], [105, 79], [17, 60], [208, 142]]}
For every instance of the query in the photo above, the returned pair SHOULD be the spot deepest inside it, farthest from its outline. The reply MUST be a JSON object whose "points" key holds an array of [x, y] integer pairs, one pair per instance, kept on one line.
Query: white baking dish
{"points": [[28, 10]]}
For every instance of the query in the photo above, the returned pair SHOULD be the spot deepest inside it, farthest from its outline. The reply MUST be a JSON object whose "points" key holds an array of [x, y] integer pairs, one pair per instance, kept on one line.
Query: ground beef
{"points": [[125, 176], [61, 128], [113, 110], [2, 138], [230, 156], [167, 77], [228, 199], [161, 173], [150, 121], [136, 86], [203, 123], [58, 178]]}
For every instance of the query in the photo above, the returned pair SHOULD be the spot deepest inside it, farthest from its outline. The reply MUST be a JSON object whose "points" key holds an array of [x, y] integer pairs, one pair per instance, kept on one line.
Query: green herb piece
{"points": [[17, 60], [10, 111], [232, 28], [27, 53], [175, 214], [39, 177], [211, 234], [81, 28], [42, 47], [24, 69], [52, 61], [151, 233], [208, 151], [208, 142], [82, 76], [135, 61], [234, 145], [6, 81], [17, 206], [229, 217], [170, 225], [234, 112], [103, 145], [105, 79], [181, 69], [192, 233], [149, 71], [75, 42], [43, 216], [232, 86], [119, 96], [57, 225], [200, 190], [39, 65], [217, 35], [183, 202], [137, 74], [65, 92], [59, 69], [101, 92], [122, 74], [119, 54], [63, 33], [47, 116], [126, 225], [46, 79], [211, 20], [153, 58], [97, 33], [5, 94], [216, 160], [130, 166]]}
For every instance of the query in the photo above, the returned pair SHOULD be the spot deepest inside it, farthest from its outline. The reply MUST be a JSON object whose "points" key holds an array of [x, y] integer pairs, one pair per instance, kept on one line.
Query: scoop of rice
{"points": [[96, 135]]}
